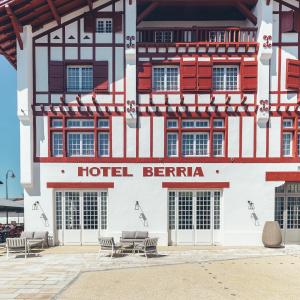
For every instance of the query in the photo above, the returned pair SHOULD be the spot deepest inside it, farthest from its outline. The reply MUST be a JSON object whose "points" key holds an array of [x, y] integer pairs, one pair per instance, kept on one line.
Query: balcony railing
{"points": [[197, 35]]}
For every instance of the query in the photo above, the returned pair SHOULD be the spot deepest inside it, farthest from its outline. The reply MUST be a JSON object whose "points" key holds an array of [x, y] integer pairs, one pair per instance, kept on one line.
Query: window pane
{"points": [[195, 123], [103, 210], [103, 123], [90, 210], [172, 79], [158, 79], [73, 144], [218, 123], [56, 123], [58, 206], [73, 80], [172, 124], [79, 78], [77, 123], [217, 209], [287, 144], [172, 144], [288, 123], [87, 79], [104, 26], [231, 79], [187, 144], [87, 144], [171, 210], [202, 144], [57, 144], [163, 36], [103, 144], [218, 142], [218, 79]]}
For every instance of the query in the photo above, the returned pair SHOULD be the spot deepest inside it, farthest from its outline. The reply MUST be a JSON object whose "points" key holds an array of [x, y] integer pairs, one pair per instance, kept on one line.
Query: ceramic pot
{"points": [[272, 237]]}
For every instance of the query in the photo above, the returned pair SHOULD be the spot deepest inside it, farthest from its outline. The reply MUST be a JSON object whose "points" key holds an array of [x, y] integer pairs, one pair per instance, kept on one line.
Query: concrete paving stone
{"points": [[44, 282], [8, 296]]}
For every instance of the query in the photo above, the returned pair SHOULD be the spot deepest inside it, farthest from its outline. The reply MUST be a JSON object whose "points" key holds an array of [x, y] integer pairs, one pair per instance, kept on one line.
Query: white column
{"points": [[130, 53], [264, 15], [24, 112]]}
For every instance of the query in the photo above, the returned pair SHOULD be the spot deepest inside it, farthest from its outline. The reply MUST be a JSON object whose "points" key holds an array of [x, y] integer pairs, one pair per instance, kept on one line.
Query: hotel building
{"points": [[180, 118]]}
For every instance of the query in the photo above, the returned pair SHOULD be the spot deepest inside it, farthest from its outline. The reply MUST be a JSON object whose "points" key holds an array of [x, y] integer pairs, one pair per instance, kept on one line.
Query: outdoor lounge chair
{"points": [[17, 245], [108, 244], [148, 246]]}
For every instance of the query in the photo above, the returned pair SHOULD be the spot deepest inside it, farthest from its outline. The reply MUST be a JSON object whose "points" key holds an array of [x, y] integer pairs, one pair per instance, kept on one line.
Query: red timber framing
{"points": [[283, 176], [196, 185], [80, 185]]}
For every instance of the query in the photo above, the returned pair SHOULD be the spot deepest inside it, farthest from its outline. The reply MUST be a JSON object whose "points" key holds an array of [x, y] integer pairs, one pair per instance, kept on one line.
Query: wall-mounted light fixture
{"points": [[35, 205], [137, 205], [251, 205]]}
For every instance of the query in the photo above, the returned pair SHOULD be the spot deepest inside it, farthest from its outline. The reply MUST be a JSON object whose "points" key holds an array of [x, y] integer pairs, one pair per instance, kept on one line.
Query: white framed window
{"points": [[79, 78], [104, 25], [103, 123], [163, 36], [219, 123], [80, 144], [225, 78], [287, 144], [195, 144], [57, 144], [80, 123], [288, 123], [57, 123], [172, 144], [200, 123], [103, 144], [166, 78], [172, 124], [216, 36], [218, 144]]}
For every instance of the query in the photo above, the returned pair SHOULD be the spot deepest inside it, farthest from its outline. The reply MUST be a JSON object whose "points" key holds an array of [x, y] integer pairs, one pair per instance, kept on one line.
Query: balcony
{"points": [[197, 40], [196, 35]]}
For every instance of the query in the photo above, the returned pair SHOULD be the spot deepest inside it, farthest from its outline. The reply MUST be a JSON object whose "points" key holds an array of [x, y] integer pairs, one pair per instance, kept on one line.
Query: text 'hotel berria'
{"points": [[146, 172]]}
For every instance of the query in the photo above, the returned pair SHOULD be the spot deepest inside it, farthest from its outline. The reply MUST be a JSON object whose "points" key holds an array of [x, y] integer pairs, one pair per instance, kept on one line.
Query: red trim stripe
{"points": [[196, 185], [283, 176], [80, 185]]}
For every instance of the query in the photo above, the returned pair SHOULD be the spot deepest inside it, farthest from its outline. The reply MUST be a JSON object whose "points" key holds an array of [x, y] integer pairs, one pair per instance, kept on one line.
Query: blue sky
{"points": [[9, 130]]}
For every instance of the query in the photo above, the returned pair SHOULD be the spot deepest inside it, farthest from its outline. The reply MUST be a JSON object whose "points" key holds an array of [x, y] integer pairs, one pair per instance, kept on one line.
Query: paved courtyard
{"points": [[187, 273]]}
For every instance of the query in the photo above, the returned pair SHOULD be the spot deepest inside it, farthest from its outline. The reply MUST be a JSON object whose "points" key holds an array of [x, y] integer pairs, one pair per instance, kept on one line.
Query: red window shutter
{"points": [[205, 76], [118, 22], [56, 76], [188, 72], [89, 23], [293, 74], [287, 21], [249, 76], [101, 76], [145, 77]]}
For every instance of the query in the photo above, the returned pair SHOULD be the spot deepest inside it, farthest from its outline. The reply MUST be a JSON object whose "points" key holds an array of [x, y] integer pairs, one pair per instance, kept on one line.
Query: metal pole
{"points": [[6, 187], [7, 217]]}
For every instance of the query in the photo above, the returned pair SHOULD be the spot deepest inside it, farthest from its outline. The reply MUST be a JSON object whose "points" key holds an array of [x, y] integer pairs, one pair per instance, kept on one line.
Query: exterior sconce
{"points": [[137, 205], [35, 205], [251, 205]]}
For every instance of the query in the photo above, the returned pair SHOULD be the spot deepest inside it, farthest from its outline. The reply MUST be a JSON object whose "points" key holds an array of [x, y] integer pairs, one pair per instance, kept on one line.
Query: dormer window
{"points": [[104, 25]]}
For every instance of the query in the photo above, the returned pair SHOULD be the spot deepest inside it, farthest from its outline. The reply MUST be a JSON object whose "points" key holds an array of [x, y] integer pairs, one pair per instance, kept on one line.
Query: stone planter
{"points": [[272, 237]]}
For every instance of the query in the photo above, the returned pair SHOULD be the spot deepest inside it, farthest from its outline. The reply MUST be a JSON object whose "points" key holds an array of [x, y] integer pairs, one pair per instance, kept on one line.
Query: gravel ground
{"points": [[253, 278]]}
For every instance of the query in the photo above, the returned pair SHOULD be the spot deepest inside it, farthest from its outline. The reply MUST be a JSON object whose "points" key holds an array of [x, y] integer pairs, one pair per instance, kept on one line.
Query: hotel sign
{"points": [[146, 172]]}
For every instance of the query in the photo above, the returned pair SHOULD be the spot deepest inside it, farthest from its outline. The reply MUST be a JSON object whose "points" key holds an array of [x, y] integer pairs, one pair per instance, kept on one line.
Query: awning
{"points": [[283, 176], [11, 206]]}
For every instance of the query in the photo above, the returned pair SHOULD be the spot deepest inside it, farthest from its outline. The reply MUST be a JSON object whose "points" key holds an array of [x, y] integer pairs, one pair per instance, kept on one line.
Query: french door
{"points": [[194, 217], [80, 215], [287, 211]]}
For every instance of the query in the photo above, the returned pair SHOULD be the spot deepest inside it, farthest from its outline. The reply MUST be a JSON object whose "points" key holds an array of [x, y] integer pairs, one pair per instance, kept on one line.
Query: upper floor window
{"points": [[289, 134], [79, 78], [104, 25], [216, 36], [166, 78], [163, 36], [225, 78], [196, 136]]}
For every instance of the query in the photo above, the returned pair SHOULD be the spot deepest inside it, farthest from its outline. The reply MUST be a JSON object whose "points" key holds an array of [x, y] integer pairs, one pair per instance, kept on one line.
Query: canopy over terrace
{"points": [[14, 14], [10, 206]]}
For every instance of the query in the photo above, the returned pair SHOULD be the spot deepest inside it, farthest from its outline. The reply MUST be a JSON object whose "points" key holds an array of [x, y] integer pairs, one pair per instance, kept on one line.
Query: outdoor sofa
{"points": [[134, 236], [36, 238]]}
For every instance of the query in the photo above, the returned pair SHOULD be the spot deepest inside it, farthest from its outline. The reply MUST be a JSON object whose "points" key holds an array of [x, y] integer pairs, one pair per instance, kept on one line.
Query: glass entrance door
{"points": [[194, 217], [287, 211], [80, 215]]}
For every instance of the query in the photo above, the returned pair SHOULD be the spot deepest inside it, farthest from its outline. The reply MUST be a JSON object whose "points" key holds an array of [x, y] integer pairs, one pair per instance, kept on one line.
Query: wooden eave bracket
{"points": [[17, 27], [146, 12], [246, 12], [90, 4], [54, 11]]}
